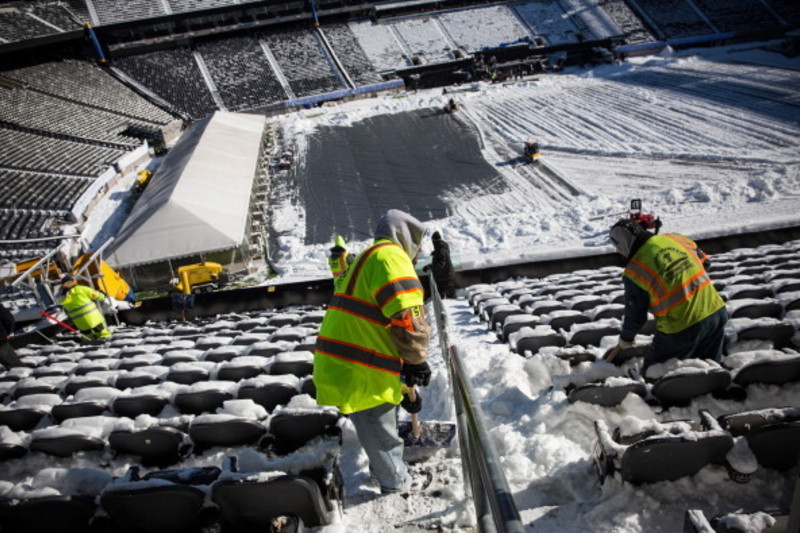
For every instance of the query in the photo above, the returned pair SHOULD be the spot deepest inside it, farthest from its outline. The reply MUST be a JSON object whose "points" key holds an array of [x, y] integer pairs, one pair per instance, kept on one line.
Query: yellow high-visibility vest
{"points": [[670, 268], [356, 364], [79, 303]]}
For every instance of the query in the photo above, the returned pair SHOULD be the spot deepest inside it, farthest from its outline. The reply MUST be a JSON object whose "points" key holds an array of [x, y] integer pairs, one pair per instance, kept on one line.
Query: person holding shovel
{"points": [[372, 345], [80, 304]]}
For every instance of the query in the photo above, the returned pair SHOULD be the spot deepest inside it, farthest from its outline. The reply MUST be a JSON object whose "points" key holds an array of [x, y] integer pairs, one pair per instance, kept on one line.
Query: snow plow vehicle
{"points": [[200, 277]]}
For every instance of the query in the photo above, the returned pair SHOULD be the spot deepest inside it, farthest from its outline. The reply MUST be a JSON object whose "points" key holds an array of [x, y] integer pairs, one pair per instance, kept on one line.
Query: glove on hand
{"points": [[411, 407], [416, 374], [624, 345]]}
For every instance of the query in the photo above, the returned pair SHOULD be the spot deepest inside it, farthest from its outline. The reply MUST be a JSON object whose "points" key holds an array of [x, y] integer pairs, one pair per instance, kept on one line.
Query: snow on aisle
{"points": [[545, 443]]}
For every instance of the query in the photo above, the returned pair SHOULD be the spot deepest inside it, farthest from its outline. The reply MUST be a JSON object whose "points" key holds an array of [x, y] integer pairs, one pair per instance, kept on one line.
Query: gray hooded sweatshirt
{"points": [[403, 229]]}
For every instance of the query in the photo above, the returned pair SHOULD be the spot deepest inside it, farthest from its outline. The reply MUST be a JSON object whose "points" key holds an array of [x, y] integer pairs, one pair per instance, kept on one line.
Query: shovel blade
{"points": [[432, 435]]}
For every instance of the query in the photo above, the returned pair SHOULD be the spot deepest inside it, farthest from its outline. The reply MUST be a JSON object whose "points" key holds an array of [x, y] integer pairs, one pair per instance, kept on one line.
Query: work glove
{"points": [[624, 345], [416, 374], [411, 407]]}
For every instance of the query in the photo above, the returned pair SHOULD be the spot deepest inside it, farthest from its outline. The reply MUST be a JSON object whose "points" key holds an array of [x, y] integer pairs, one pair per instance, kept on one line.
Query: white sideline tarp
{"points": [[198, 200]]}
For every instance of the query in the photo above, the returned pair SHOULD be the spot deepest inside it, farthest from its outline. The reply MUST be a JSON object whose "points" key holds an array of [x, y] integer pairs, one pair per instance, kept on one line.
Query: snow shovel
{"points": [[423, 439]]}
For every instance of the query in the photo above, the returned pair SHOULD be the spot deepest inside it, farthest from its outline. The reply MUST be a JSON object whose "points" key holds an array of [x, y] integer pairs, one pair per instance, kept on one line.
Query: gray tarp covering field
{"points": [[409, 161]]}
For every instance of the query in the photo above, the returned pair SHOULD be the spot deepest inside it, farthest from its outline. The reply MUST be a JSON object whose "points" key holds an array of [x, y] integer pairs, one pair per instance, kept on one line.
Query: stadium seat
{"points": [[139, 404], [207, 431], [651, 456], [289, 431], [679, 389], [158, 445], [67, 514], [201, 401], [268, 395], [773, 435], [163, 508], [604, 394], [250, 505]]}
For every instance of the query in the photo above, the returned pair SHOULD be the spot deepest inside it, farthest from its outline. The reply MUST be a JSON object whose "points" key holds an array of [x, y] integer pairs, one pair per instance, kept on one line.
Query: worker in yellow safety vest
{"points": [[373, 340], [339, 258], [81, 307], [665, 276]]}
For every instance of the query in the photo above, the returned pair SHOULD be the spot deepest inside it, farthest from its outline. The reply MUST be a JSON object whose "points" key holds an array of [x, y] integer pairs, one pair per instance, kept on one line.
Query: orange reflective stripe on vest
{"points": [[359, 308], [359, 354]]}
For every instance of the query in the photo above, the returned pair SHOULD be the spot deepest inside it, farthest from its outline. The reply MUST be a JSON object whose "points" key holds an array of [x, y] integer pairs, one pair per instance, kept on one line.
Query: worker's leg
{"points": [[711, 337], [8, 356], [377, 432]]}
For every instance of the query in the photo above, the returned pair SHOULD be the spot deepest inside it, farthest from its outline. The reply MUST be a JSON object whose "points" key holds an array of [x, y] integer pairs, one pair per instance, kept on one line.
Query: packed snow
{"points": [[707, 139]]}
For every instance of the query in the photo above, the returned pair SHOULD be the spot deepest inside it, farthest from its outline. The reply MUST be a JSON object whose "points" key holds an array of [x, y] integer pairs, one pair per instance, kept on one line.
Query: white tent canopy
{"points": [[198, 200]]}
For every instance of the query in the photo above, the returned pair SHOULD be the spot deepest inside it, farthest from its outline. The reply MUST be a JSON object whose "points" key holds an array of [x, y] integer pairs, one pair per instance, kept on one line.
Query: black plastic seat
{"points": [[74, 385], [566, 321], [268, 395], [605, 395], [249, 506], [143, 404], [655, 458], [516, 324], [680, 389], [534, 343], [776, 445], [66, 445], [133, 381], [238, 373], [774, 372], [68, 410], [298, 368], [187, 376], [10, 450], [203, 401], [773, 435], [21, 418], [228, 432], [779, 333], [758, 310], [290, 431], [159, 445], [65, 514], [593, 336], [163, 508]]}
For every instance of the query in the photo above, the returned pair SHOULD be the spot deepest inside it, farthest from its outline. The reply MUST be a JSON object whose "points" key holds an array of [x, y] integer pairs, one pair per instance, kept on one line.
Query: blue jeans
{"points": [[377, 432], [703, 340]]}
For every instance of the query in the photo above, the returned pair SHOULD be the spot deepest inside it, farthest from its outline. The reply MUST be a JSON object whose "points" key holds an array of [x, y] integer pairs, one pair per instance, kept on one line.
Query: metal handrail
{"points": [[494, 503]]}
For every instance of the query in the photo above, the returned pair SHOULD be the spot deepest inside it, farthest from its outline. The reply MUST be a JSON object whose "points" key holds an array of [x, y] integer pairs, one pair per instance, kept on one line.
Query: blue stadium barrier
{"points": [[688, 42], [642, 48], [343, 93]]}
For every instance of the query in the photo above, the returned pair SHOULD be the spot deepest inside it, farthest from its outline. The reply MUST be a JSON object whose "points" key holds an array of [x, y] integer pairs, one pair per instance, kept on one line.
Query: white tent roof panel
{"points": [[198, 200]]}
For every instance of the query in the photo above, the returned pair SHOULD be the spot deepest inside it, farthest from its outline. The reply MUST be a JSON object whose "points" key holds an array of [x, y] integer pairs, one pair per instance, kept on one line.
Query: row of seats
{"points": [[351, 54], [241, 449], [304, 62], [43, 153], [48, 114], [21, 224], [748, 425], [84, 83], [174, 76], [31, 190], [241, 72], [658, 451]]}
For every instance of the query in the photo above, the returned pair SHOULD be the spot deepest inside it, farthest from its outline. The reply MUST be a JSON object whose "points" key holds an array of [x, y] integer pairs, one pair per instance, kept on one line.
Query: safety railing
{"points": [[484, 477]]}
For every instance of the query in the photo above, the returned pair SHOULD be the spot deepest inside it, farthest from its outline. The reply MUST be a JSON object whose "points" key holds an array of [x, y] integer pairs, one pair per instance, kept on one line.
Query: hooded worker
{"points": [[441, 266], [80, 303], [373, 340], [339, 258], [665, 276]]}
